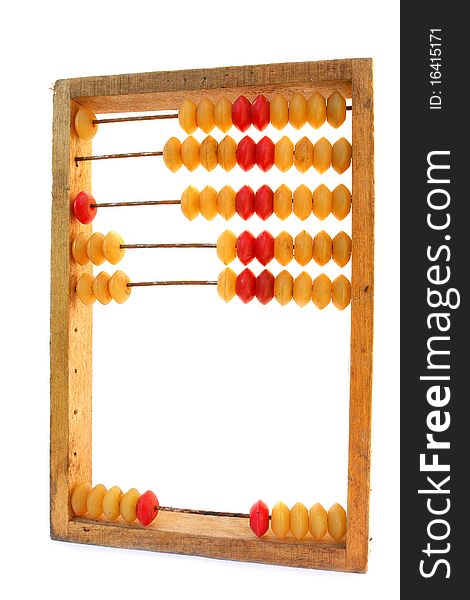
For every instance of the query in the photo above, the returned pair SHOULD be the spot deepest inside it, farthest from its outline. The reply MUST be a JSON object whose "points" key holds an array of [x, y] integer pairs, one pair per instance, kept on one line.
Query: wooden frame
{"points": [[71, 322]]}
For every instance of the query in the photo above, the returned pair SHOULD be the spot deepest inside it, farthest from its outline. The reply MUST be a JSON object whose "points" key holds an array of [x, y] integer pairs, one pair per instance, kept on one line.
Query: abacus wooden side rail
{"points": [[71, 321]]}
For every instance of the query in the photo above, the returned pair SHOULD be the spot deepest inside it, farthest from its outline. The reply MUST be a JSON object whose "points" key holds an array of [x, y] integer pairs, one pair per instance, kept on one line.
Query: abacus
{"points": [[302, 94]]}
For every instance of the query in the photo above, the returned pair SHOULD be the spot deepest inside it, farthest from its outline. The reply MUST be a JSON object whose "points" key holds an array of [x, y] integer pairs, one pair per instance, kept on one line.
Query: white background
{"points": [[44, 42]]}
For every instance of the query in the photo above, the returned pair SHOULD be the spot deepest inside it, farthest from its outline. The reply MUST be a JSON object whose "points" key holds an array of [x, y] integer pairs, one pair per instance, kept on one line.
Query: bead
{"points": [[84, 289], [341, 292], [78, 499], [303, 248], [227, 153], [316, 110], [172, 154], [303, 155], [227, 247], [100, 288], [82, 208], [341, 202], [260, 112], [302, 202], [259, 518], [94, 248], [147, 508], [246, 247], [336, 109], [111, 503], [302, 292], [321, 291], [226, 285], [128, 505], [318, 522], [246, 153], [187, 116], [283, 248], [337, 522], [112, 250], [190, 153], [208, 153], [265, 287], [322, 248], [322, 155], [279, 112], [118, 287], [322, 200], [298, 111], [264, 248], [241, 113], [226, 202], [341, 156], [264, 200], [79, 249], [284, 154], [299, 521], [265, 154], [94, 501], [84, 126], [190, 202], [282, 202], [245, 286], [205, 115], [245, 202], [208, 203], [223, 114], [283, 288], [341, 251], [280, 520]]}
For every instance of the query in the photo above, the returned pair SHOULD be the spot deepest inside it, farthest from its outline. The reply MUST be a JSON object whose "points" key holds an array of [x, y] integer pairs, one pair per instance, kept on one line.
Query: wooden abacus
{"points": [[76, 509]]}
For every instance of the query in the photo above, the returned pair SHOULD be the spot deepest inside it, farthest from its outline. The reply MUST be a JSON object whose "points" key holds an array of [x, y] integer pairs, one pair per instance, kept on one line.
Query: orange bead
{"points": [[279, 112], [303, 155], [336, 109], [322, 152], [223, 114], [282, 202], [321, 291], [284, 154], [341, 155], [190, 153], [187, 116], [205, 115], [172, 154], [341, 202], [208, 153], [341, 292], [227, 153], [226, 202], [190, 202], [316, 110], [303, 248], [302, 204], [84, 126], [341, 251], [298, 111], [322, 247], [322, 199]]}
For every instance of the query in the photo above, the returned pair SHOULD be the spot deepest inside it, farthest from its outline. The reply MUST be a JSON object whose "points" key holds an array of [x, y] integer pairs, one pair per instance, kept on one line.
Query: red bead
{"points": [[264, 248], [245, 286], [265, 154], [246, 153], [264, 202], [259, 518], [82, 208], [147, 508], [245, 202], [241, 113], [265, 287], [246, 247], [260, 112]]}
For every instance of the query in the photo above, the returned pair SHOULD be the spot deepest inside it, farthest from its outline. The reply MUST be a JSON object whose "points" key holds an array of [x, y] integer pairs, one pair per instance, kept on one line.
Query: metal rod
{"points": [[127, 155], [199, 245], [149, 283], [348, 107], [142, 203], [209, 513], [141, 118]]}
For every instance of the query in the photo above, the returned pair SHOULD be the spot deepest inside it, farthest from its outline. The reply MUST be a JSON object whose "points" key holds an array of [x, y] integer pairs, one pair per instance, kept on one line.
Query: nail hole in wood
{"points": [[75, 412], [75, 370], [76, 329]]}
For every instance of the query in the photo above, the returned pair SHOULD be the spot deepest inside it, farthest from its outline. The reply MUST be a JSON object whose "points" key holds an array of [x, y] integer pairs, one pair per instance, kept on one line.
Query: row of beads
{"points": [[103, 288], [209, 153], [298, 111], [284, 248], [264, 202], [97, 248], [284, 288]]}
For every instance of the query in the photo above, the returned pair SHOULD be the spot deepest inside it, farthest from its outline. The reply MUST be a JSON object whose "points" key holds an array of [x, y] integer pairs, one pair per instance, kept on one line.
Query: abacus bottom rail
{"points": [[164, 283]]}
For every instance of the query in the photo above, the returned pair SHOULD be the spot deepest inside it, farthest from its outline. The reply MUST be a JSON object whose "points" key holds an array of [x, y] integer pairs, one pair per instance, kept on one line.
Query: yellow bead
{"points": [[341, 292], [322, 155], [190, 202], [341, 202], [227, 153], [190, 153], [226, 284], [94, 248], [111, 503], [187, 116], [172, 154], [321, 291], [100, 288], [283, 288], [302, 202], [84, 289], [302, 292], [227, 247], [226, 202], [280, 520], [118, 287], [208, 153], [283, 248], [94, 501], [78, 500], [279, 109], [298, 111], [112, 250], [208, 203], [79, 249], [303, 155], [336, 109], [318, 522], [299, 521], [322, 248], [316, 110], [205, 115], [284, 154], [128, 504], [337, 522], [341, 251], [223, 114], [84, 126], [303, 248], [341, 156], [322, 200], [282, 202]]}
